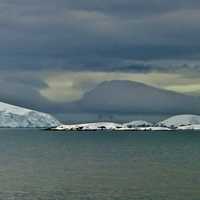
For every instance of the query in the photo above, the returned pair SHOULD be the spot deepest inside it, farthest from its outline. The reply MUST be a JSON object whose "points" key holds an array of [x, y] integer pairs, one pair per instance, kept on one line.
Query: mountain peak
{"points": [[124, 96]]}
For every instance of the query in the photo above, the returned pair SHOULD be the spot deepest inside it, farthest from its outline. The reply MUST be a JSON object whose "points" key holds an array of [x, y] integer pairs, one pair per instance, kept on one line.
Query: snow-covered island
{"points": [[178, 122], [18, 117]]}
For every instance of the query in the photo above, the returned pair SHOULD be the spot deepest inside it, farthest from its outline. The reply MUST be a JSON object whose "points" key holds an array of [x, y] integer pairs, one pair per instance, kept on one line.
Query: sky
{"points": [[53, 53]]}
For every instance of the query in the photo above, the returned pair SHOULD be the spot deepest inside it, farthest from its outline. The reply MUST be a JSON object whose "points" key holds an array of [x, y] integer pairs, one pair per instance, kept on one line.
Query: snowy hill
{"points": [[181, 120], [107, 126], [178, 122], [15, 117], [139, 123], [90, 126]]}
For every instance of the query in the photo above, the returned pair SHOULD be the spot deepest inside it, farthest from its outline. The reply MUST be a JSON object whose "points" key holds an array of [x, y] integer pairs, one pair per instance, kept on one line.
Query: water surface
{"points": [[42, 165]]}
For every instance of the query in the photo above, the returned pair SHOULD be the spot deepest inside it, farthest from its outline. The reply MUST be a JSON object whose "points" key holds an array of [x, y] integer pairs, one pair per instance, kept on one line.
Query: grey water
{"points": [[44, 165]]}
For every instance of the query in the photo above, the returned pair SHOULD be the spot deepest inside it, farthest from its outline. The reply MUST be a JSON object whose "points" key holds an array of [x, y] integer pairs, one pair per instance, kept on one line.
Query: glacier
{"points": [[18, 117]]}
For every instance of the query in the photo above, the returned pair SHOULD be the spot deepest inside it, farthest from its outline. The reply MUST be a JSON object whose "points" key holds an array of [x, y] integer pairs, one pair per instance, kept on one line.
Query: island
{"points": [[178, 122]]}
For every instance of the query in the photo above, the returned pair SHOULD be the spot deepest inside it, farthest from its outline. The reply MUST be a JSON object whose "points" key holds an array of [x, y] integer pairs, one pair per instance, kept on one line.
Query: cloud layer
{"points": [[97, 35], [53, 52]]}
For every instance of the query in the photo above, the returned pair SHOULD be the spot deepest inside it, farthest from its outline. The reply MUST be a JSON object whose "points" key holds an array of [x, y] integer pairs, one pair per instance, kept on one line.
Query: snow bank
{"points": [[189, 127]]}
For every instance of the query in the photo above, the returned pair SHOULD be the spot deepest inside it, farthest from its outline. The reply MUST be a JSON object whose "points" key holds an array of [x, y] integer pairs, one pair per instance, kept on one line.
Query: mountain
{"points": [[132, 97], [181, 120], [13, 117]]}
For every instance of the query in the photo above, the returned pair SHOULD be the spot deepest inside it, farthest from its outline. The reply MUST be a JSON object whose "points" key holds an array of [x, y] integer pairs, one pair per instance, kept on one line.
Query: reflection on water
{"points": [[44, 165]]}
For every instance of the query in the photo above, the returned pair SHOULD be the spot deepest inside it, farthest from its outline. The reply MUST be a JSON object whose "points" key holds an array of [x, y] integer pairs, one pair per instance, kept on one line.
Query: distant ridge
{"points": [[132, 97]]}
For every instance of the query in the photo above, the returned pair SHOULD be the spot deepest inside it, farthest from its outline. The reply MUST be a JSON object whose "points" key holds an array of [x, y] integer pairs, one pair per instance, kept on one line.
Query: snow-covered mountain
{"points": [[14, 116], [180, 120]]}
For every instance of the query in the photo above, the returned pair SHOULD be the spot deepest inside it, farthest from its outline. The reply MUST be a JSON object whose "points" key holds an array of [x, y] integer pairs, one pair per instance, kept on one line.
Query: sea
{"points": [[45, 165]]}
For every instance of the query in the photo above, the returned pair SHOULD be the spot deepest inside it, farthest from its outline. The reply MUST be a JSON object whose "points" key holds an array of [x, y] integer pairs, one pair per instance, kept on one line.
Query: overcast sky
{"points": [[53, 52]]}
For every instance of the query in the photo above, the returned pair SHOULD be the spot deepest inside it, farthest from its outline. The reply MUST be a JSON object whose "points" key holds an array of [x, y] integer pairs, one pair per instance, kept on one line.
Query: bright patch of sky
{"points": [[70, 86]]}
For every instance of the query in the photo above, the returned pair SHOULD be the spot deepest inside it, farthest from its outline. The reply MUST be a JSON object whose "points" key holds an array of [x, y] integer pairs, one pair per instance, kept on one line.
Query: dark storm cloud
{"points": [[22, 89], [79, 35], [28, 81], [107, 35]]}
